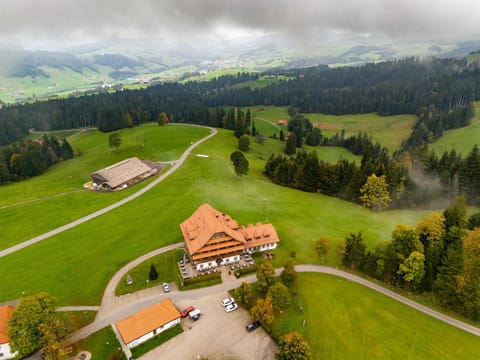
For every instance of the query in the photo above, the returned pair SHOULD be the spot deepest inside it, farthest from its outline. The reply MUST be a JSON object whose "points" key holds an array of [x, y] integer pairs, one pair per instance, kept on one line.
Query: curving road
{"points": [[114, 308], [109, 208]]}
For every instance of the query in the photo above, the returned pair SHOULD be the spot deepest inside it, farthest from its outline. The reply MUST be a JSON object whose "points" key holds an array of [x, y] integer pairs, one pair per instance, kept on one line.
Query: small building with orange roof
{"points": [[149, 322], [282, 122], [5, 313], [213, 238]]}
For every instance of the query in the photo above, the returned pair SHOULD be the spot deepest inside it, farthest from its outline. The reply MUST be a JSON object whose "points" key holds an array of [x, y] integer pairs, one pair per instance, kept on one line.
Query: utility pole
{"points": [[264, 217]]}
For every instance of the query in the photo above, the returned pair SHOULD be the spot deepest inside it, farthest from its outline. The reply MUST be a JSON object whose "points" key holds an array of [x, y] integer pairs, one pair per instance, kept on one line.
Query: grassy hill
{"points": [[114, 238], [463, 139], [33, 206], [344, 320], [348, 321]]}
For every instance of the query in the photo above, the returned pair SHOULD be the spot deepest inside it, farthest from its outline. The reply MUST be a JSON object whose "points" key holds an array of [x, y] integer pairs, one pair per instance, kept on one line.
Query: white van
{"points": [[195, 314]]}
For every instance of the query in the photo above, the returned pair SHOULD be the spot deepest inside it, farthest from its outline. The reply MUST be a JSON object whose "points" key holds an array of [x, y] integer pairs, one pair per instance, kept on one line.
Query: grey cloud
{"points": [[67, 20]]}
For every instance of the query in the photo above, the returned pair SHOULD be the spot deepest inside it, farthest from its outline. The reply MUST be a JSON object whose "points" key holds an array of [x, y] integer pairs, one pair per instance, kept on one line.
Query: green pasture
{"points": [[34, 206], [261, 82], [463, 139], [387, 130], [100, 344], [167, 269], [345, 320], [59, 80], [76, 265], [331, 154], [269, 113]]}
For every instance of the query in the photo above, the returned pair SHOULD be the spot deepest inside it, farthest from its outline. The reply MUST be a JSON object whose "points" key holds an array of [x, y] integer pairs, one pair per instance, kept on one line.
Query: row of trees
{"points": [[268, 297], [344, 179], [440, 255], [32, 158], [432, 122]]}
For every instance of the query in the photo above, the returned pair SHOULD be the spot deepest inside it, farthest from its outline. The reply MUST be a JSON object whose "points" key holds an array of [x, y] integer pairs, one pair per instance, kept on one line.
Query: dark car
{"points": [[253, 326]]}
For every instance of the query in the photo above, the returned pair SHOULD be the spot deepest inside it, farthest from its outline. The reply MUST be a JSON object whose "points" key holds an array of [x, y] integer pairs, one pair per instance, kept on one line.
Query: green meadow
{"points": [[100, 344], [39, 204], [166, 265], [463, 139], [389, 131], [345, 320], [76, 265]]}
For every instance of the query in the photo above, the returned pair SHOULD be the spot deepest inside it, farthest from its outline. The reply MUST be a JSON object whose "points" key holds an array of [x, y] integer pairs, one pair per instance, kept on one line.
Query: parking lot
{"points": [[217, 335]]}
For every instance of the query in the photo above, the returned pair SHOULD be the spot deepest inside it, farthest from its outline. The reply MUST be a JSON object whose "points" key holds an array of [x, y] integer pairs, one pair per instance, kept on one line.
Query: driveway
{"points": [[217, 335]]}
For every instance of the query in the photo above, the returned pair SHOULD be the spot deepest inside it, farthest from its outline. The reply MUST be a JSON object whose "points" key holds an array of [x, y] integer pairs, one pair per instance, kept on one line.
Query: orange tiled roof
{"points": [[204, 223], [210, 230], [258, 235], [147, 320], [5, 313]]}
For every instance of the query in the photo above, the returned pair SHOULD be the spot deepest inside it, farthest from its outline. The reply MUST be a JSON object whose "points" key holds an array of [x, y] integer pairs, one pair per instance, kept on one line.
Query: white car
{"points": [[231, 307], [228, 301], [166, 288]]}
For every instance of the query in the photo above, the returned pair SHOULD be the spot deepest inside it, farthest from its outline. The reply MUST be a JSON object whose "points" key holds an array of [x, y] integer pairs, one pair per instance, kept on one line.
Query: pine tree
{"points": [[153, 274], [254, 129], [355, 250], [291, 146]]}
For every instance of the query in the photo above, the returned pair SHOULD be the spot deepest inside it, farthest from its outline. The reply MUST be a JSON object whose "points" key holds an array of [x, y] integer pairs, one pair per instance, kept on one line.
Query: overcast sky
{"points": [[59, 22]]}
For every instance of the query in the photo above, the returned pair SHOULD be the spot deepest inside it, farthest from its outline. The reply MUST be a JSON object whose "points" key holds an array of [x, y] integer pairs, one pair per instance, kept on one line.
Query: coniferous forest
{"points": [[31, 158]]}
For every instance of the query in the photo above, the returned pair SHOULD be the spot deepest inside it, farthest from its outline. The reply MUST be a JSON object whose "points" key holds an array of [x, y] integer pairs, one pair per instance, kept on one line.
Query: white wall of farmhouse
{"points": [[5, 352], [153, 333], [214, 264], [262, 248]]}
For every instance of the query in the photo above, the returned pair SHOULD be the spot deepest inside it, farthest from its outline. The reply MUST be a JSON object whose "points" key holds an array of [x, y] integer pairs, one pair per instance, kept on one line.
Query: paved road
{"points": [[109, 208], [109, 300], [121, 307]]}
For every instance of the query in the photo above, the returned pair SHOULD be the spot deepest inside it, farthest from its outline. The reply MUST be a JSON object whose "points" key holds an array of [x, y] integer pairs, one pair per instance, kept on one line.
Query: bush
{"points": [[244, 271]]}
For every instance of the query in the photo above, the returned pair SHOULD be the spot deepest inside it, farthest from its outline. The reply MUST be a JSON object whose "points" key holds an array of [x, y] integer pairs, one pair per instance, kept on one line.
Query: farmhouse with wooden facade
{"points": [[123, 174], [148, 323], [213, 238], [5, 313]]}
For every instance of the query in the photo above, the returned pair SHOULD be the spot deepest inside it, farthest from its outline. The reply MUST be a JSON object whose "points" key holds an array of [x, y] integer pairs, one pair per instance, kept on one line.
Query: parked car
{"points": [[195, 314], [166, 288], [228, 301], [252, 326], [185, 312], [231, 307]]}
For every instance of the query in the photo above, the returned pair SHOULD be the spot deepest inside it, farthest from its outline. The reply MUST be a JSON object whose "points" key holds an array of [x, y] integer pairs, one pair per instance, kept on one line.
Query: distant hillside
{"points": [[28, 75], [34, 74]]}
